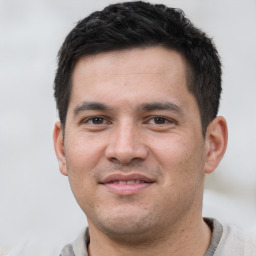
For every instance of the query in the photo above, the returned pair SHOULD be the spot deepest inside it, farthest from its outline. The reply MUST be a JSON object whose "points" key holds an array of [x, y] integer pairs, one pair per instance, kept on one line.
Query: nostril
{"points": [[114, 160], [125, 147]]}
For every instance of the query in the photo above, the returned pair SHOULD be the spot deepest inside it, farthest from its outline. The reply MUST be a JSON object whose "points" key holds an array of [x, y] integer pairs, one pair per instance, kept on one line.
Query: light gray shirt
{"points": [[226, 241]]}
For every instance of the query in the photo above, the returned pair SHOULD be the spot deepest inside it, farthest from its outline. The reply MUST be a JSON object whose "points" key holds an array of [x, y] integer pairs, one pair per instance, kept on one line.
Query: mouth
{"points": [[126, 184]]}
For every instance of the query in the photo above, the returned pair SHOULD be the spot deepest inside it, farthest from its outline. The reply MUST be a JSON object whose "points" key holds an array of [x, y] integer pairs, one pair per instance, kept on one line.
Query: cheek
{"points": [[82, 157], [83, 152], [180, 157], [171, 151]]}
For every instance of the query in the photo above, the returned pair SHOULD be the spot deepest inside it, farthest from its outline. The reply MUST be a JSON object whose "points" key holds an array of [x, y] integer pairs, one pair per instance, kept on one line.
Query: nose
{"points": [[126, 144]]}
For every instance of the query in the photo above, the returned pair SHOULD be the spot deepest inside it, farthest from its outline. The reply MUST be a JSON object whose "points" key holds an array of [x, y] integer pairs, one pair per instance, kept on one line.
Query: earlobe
{"points": [[216, 143], [59, 147]]}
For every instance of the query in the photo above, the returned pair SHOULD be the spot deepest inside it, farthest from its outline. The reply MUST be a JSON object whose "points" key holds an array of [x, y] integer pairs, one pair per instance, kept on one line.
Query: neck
{"points": [[192, 239]]}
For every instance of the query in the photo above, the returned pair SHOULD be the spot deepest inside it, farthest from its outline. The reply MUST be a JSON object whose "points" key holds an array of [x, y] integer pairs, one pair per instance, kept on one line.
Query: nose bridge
{"points": [[126, 135], [126, 144]]}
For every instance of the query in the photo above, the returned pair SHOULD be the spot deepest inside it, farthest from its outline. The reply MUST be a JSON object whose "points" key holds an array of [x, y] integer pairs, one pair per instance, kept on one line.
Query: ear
{"points": [[216, 142], [59, 147]]}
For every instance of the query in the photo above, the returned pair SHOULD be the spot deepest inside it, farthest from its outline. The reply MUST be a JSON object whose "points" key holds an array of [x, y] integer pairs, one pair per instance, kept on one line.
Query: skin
{"points": [[131, 118]]}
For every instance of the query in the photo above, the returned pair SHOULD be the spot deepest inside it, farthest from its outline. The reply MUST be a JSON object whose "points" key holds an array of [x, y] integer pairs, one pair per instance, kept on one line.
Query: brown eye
{"points": [[97, 120], [159, 120]]}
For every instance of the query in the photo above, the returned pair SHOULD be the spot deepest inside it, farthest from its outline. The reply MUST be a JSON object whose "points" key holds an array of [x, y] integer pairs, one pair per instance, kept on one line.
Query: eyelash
{"points": [[163, 120], [91, 119]]}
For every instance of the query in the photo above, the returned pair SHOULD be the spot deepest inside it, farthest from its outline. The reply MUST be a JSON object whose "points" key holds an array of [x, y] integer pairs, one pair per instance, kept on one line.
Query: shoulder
{"points": [[235, 242], [78, 247], [67, 251]]}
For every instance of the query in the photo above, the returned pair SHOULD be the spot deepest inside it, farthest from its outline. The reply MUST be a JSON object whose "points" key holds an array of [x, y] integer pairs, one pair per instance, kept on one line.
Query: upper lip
{"points": [[126, 177]]}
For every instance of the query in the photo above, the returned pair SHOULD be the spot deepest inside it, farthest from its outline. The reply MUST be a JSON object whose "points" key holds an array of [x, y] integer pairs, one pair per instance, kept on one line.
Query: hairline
{"points": [[189, 73]]}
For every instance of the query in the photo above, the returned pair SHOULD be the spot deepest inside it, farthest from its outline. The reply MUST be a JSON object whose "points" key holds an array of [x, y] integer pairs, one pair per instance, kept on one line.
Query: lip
{"points": [[117, 183]]}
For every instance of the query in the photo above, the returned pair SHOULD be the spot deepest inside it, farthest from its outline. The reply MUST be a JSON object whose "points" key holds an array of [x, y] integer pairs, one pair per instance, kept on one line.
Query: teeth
{"points": [[128, 182]]}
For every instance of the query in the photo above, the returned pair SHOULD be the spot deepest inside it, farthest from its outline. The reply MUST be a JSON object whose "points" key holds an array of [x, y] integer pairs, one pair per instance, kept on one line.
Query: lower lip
{"points": [[126, 189]]}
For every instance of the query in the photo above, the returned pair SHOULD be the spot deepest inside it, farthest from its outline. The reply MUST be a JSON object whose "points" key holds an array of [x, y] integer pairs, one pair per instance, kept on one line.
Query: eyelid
{"points": [[90, 118], [168, 119]]}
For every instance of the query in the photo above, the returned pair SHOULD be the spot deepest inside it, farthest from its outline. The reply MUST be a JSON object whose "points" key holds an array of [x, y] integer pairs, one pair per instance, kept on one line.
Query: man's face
{"points": [[133, 149]]}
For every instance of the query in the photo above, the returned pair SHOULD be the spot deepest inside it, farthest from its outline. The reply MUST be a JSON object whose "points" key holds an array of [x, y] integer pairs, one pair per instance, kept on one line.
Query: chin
{"points": [[128, 232], [128, 226]]}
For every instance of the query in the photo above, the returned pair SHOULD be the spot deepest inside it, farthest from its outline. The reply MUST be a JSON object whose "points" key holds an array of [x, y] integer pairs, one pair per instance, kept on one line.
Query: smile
{"points": [[126, 184]]}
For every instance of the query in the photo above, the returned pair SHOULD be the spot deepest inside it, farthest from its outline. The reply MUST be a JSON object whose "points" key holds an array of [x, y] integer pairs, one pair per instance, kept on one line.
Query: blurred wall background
{"points": [[35, 199]]}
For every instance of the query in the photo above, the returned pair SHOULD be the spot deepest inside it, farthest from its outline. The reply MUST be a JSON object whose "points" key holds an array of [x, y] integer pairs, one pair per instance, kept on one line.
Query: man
{"points": [[137, 90]]}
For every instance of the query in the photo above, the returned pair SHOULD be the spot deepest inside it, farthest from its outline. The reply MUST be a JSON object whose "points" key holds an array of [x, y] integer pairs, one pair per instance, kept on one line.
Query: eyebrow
{"points": [[145, 107], [148, 107], [90, 106]]}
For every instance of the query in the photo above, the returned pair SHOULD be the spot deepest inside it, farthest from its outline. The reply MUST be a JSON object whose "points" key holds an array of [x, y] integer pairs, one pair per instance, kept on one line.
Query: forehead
{"points": [[151, 60], [139, 74]]}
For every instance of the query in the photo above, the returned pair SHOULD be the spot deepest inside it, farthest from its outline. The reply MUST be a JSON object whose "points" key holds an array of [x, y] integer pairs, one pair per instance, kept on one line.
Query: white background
{"points": [[35, 199]]}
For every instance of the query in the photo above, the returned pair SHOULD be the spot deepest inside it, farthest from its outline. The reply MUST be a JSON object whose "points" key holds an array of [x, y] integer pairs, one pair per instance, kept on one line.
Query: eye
{"points": [[96, 120], [159, 120], [160, 123], [95, 123]]}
